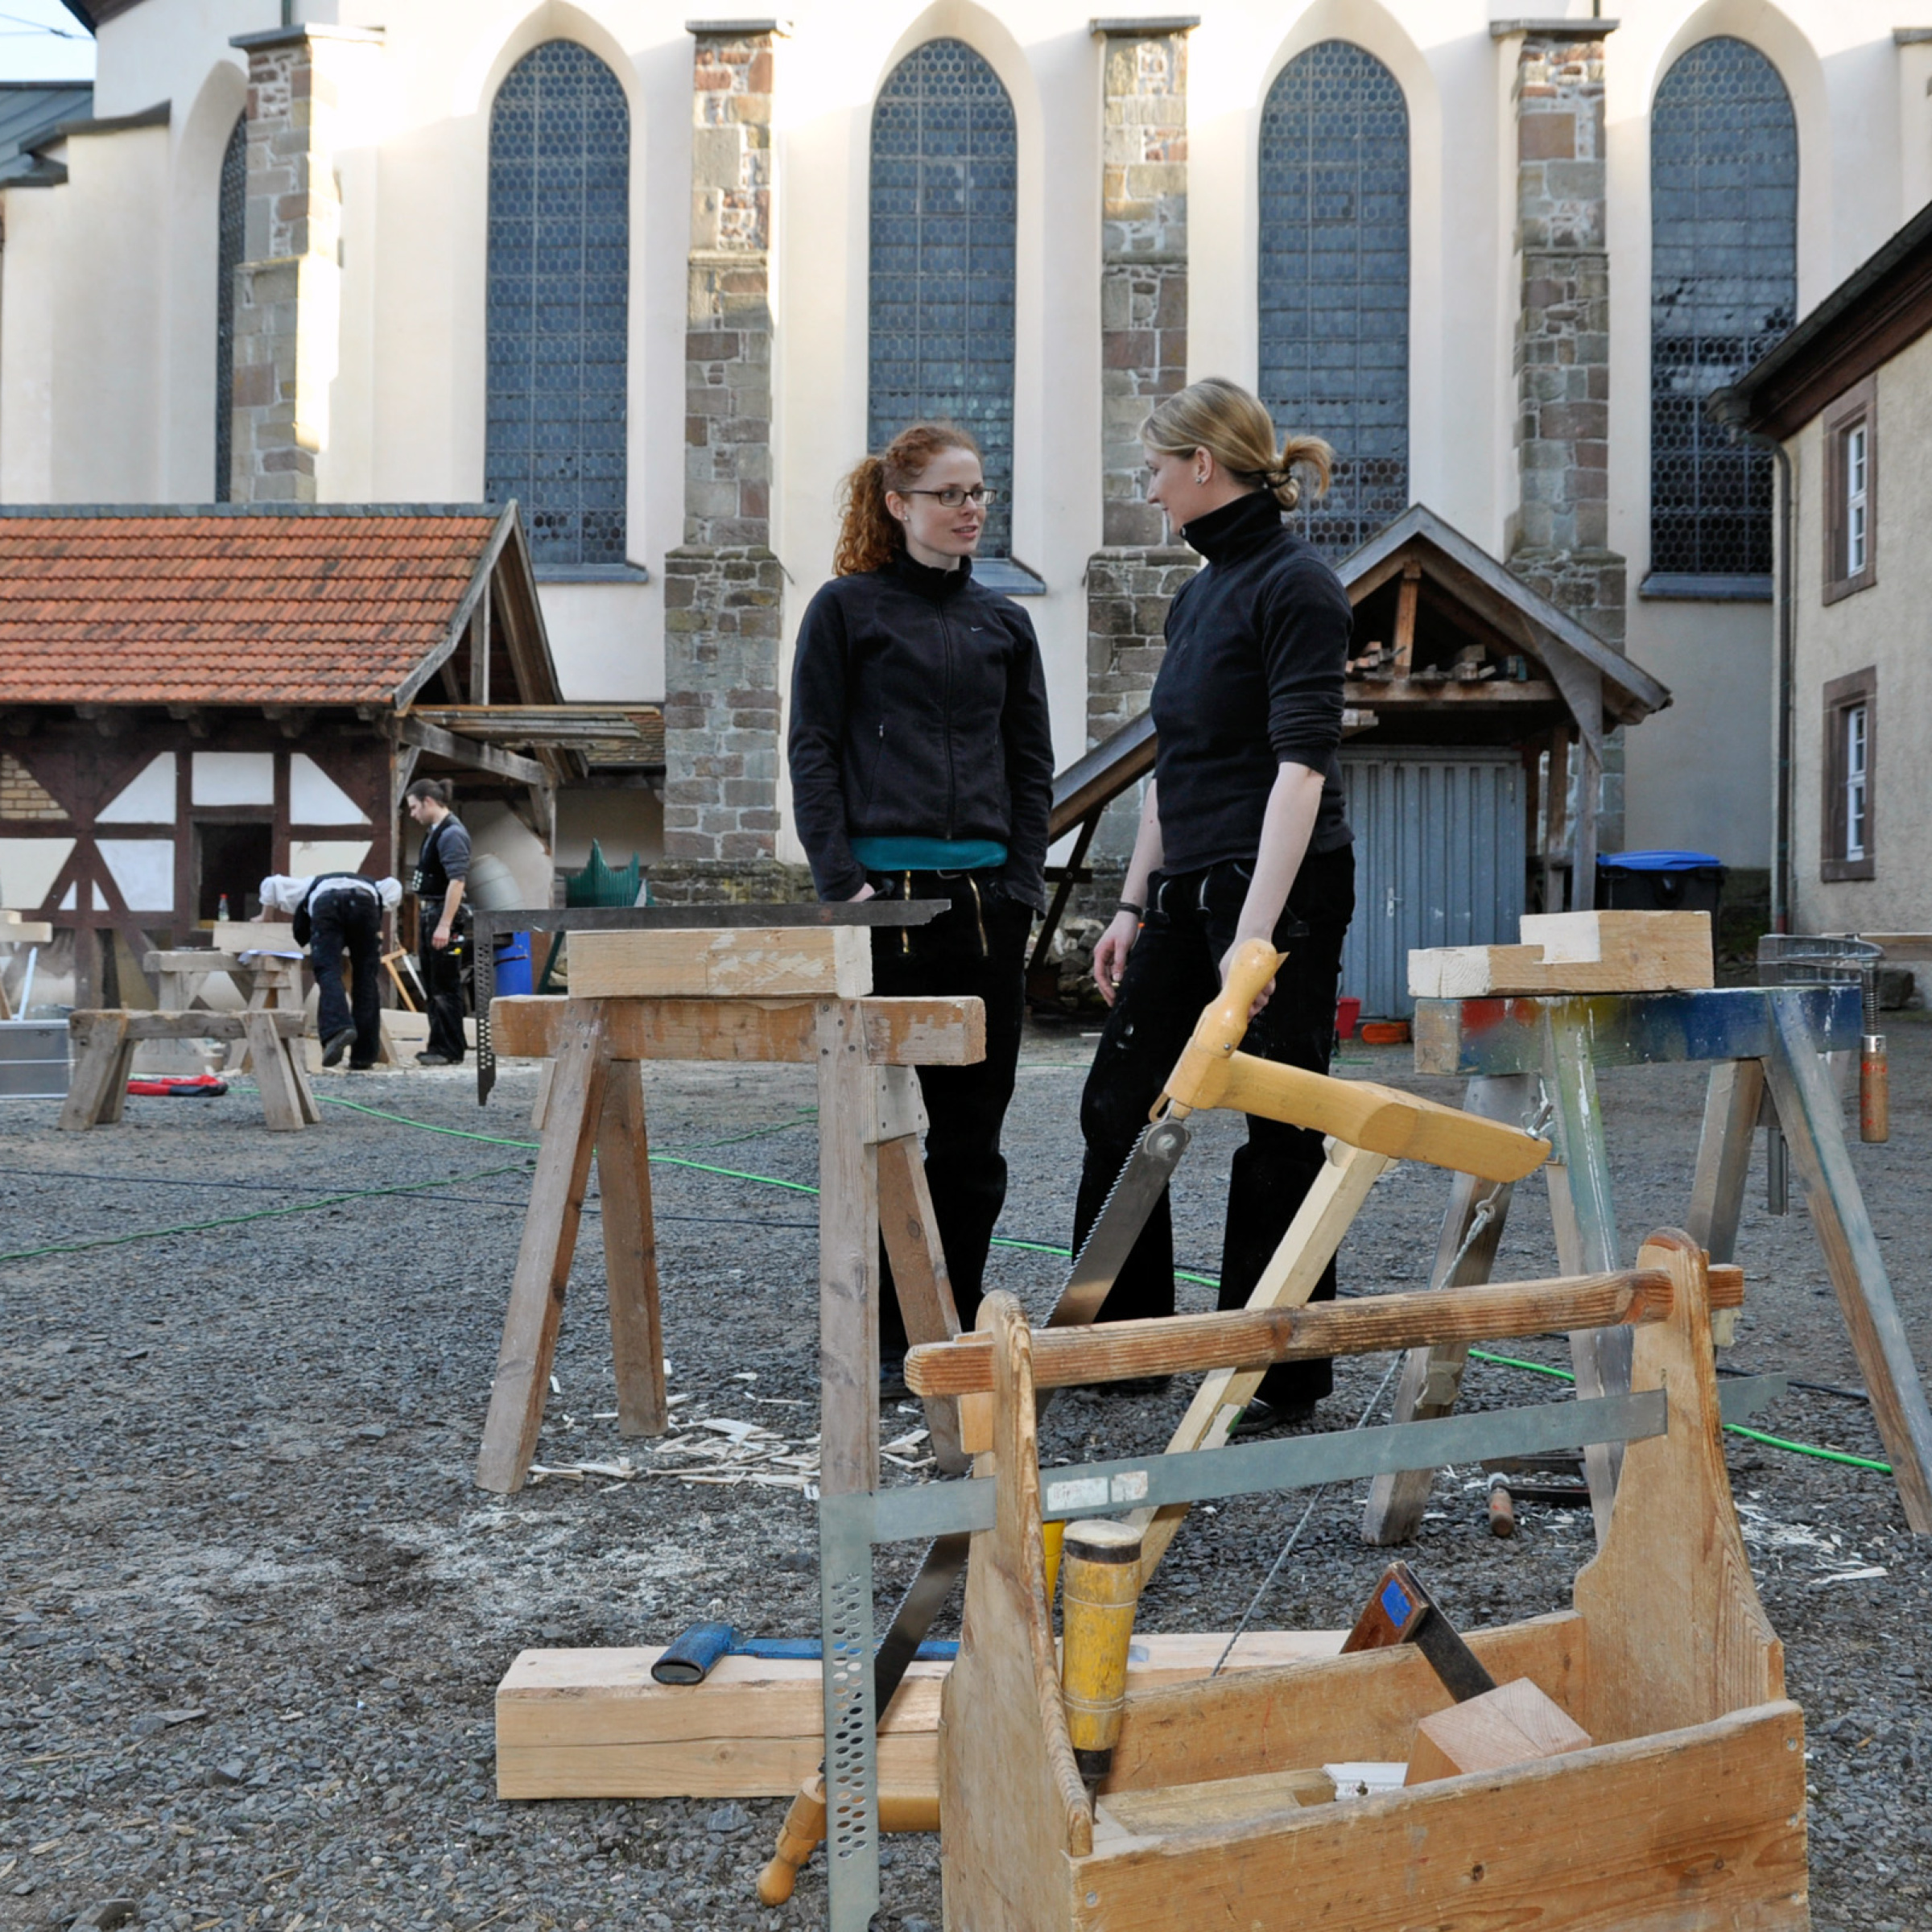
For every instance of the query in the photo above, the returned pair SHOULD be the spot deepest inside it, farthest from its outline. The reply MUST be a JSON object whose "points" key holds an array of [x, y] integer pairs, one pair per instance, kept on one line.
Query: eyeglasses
{"points": [[979, 496]]}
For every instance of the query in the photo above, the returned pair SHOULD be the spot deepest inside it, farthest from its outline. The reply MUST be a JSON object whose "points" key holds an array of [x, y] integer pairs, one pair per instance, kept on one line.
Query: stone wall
{"points": [[1558, 539], [723, 587], [1143, 357], [288, 287]]}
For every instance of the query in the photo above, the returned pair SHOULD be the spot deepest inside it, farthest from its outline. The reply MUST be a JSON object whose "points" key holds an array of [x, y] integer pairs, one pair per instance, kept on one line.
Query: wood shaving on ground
{"points": [[727, 1451]]}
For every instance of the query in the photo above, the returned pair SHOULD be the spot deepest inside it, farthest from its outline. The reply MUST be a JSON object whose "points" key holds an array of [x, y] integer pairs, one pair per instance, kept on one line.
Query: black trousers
{"points": [[976, 948], [442, 981], [350, 921], [1172, 972]]}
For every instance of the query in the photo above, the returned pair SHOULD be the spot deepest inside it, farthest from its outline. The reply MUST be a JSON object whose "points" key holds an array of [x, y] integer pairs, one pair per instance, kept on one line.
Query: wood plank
{"points": [[468, 751], [1808, 1110], [197, 1024], [1678, 1635], [1173, 1344], [1186, 1807], [918, 1270], [1322, 1711], [1292, 1274], [1574, 952], [97, 1093], [1699, 1830], [848, 1259], [274, 1076], [738, 962], [591, 1723], [550, 1237], [896, 1032], [1431, 1378], [630, 1253], [1516, 1723]]}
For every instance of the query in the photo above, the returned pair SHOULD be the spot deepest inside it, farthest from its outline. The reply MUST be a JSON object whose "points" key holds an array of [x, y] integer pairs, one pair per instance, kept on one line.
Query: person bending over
{"points": [[338, 912]]}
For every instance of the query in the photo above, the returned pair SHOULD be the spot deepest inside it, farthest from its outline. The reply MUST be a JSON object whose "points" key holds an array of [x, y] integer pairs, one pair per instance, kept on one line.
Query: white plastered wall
{"points": [[132, 235]]}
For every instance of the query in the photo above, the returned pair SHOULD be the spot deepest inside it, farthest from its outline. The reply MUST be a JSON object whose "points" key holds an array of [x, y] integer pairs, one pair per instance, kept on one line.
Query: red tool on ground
{"points": [[187, 1086]]}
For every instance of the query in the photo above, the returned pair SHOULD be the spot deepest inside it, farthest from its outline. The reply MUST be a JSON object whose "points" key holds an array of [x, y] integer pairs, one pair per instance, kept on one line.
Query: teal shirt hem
{"points": [[928, 855]]}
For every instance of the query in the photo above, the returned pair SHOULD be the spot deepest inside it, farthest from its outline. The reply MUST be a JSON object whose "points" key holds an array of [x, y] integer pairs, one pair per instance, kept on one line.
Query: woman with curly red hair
{"points": [[922, 768]]}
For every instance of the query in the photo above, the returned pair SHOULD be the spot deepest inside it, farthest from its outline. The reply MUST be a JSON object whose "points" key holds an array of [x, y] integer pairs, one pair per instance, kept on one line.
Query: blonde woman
{"points": [[1243, 836], [922, 768]]}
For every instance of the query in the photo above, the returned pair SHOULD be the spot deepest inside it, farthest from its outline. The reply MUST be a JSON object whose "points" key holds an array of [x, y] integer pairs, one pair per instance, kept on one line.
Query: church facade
{"points": [[661, 280]]}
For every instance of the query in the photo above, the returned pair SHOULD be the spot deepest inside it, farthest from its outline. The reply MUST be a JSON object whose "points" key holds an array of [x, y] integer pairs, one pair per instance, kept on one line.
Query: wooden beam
{"points": [[937, 1032], [1405, 600], [479, 650], [467, 751], [1247, 1337], [737, 961]]}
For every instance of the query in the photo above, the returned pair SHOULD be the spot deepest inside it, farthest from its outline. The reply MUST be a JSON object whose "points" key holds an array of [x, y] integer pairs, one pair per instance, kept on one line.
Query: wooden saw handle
{"points": [[804, 1830], [798, 1836], [1222, 1027]]}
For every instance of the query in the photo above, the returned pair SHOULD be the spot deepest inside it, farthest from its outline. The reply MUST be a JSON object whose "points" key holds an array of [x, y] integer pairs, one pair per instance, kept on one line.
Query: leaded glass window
{"points": [[559, 268], [1335, 281], [233, 207], [1723, 289], [944, 180]]}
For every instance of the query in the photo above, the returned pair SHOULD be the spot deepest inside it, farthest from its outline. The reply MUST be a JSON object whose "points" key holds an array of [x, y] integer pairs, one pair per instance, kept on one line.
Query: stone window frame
{"points": [[1856, 409], [1843, 696]]}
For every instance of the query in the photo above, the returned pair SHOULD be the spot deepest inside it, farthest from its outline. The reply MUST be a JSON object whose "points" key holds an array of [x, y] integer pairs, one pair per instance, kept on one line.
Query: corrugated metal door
{"points": [[1439, 861]]}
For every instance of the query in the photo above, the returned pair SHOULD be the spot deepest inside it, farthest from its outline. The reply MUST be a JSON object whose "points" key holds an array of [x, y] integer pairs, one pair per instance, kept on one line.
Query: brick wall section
{"points": [[1558, 537], [22, 796], [287, 296], [1143, 357], [723, 586]]}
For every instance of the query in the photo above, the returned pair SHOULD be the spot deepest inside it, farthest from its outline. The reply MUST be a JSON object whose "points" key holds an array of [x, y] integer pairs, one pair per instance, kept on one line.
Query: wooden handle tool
{"points": [[1100, 1577], [804, 1831]]}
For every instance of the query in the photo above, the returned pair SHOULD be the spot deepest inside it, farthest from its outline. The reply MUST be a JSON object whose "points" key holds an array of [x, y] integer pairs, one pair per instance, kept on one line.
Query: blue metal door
{"points": [[1440, 860]]}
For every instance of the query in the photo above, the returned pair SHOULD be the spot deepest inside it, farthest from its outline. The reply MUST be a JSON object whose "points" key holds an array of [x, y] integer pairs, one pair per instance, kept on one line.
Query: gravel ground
{"points": [[255, 1611]]}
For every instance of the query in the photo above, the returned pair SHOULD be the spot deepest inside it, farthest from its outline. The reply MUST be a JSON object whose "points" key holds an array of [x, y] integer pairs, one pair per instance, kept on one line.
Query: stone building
{"points": [[660, 279], [1847, 396]]}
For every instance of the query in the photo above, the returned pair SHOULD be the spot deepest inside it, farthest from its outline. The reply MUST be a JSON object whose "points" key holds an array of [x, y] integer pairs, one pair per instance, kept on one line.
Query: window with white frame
{"points": [[1858, 752], [1857, 438], [1850, 774]]}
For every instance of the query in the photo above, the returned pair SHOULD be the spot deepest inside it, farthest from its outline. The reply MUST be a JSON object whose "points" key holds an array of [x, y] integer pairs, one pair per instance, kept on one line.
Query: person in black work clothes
{"points": [[442, 866], [922, 768], [336, 912], [1242, 836]]}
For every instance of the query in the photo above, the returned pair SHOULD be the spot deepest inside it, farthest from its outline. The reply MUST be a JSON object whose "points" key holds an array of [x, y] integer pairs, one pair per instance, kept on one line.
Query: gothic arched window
{"points": [[560, 270], [1723, 289], [1335, 280], [233, 205], [944, 180]]}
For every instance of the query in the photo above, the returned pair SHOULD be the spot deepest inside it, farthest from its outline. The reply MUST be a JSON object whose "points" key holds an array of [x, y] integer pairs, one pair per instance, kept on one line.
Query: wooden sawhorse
{"points": [[105, 1039], [1762, 1038], [746, 994]]}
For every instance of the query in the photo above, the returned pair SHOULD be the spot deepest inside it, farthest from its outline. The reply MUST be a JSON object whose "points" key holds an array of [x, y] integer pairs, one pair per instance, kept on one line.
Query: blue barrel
{"points": [[513, 963]]}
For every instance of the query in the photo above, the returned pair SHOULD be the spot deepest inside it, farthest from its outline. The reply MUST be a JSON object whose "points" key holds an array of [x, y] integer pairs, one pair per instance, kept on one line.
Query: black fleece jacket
{"points": [[1257, 645], [919, 710]]}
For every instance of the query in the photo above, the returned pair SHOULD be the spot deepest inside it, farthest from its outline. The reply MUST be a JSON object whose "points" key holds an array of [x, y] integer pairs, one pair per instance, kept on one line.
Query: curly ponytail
{"points": [[869, 535], [1232, 425]]}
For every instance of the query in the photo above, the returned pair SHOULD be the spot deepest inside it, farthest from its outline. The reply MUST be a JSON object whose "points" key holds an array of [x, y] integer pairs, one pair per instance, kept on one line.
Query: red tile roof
{"points": [[201, 609]]}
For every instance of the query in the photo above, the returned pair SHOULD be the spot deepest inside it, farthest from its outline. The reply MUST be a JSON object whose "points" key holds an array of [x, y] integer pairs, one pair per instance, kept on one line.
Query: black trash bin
{"points": [[1659, 882]]}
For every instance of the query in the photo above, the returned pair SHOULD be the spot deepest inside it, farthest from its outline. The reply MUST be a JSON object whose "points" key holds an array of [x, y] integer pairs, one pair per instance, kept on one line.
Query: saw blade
{"points": [[1103, 1254]]}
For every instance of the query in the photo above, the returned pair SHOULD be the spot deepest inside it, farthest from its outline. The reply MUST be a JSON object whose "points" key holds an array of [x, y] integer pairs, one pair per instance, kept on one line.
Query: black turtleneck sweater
{"points": [[919, 710], [1257, 644]]}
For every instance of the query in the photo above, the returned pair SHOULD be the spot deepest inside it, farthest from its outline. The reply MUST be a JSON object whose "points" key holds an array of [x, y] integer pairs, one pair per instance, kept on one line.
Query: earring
{"points": [[1200, 475]]}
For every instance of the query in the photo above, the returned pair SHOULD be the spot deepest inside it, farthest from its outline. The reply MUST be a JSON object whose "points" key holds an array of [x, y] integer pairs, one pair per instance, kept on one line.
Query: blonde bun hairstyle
{"points": [[1232, 425]]}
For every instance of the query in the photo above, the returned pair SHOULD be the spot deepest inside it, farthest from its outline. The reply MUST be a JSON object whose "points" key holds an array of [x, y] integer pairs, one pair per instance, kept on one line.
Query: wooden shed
{"points": [[1479, 710], [192, 697]]}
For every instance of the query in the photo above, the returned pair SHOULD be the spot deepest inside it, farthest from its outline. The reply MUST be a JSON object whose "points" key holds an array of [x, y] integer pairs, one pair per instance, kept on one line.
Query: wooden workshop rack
{"points": [[1765, 1047], [796, 989]]}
